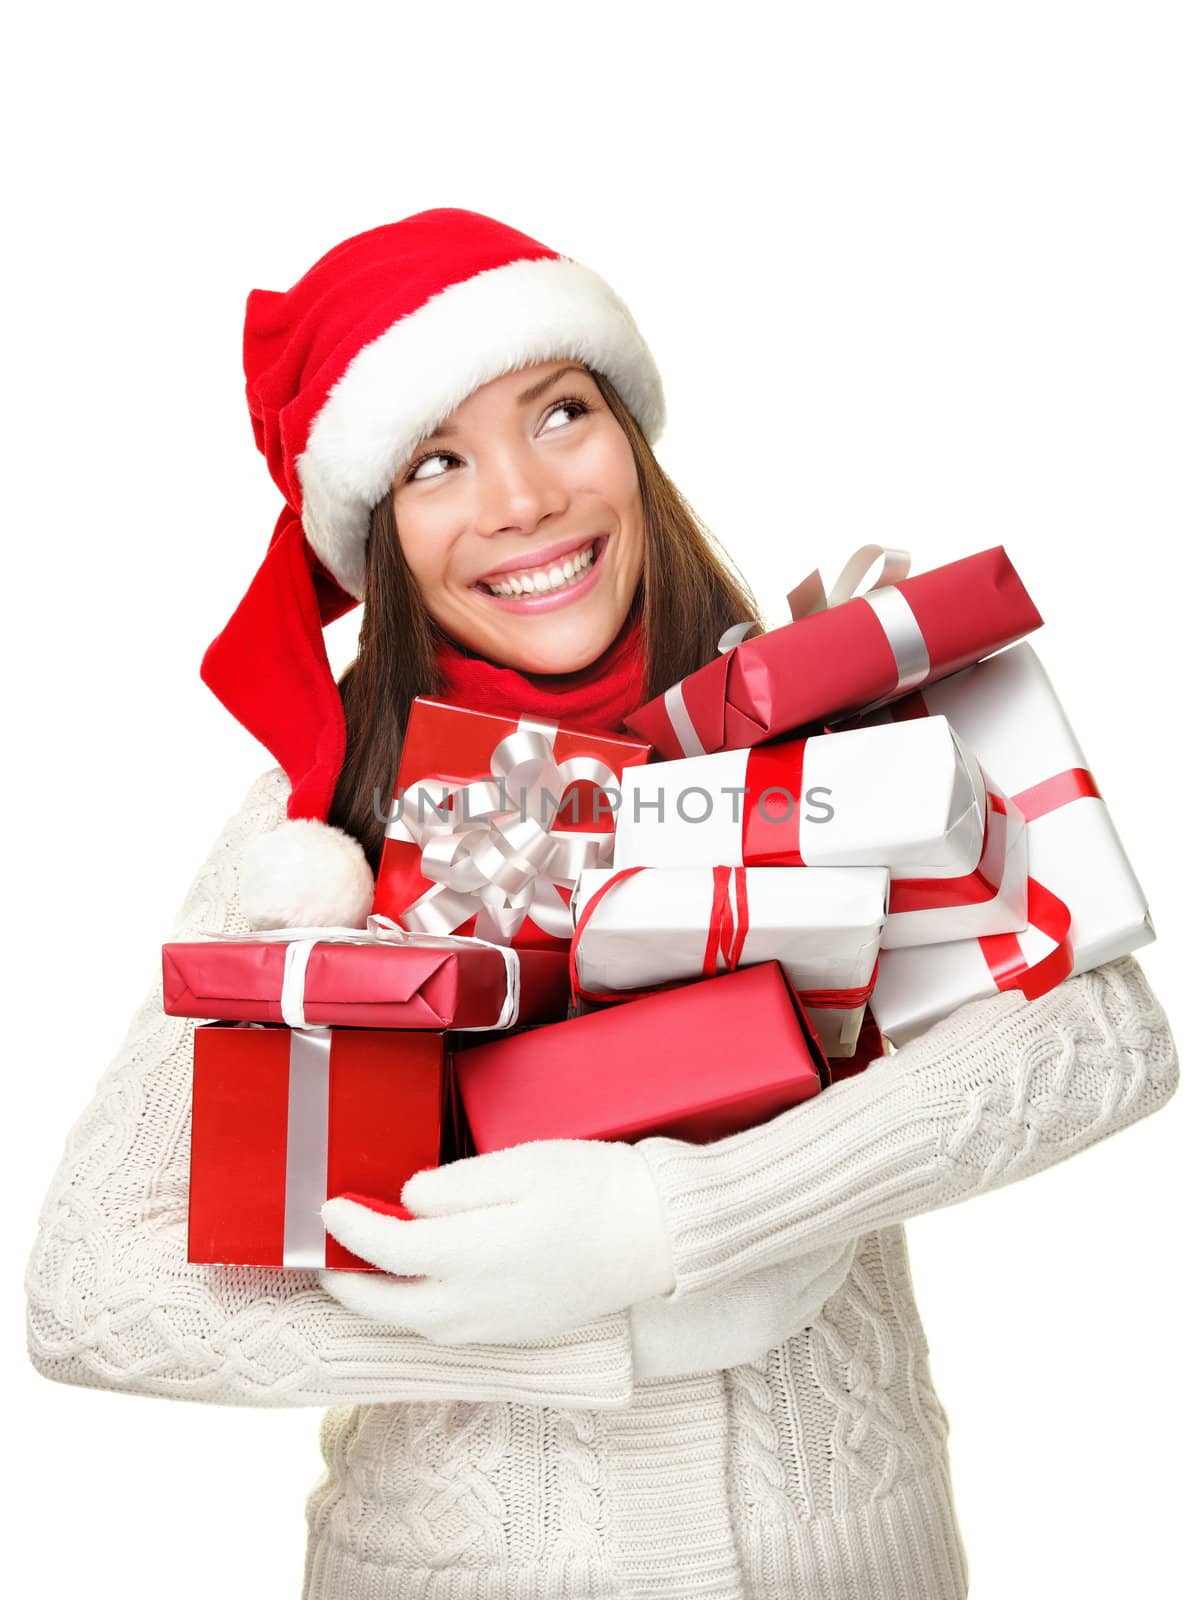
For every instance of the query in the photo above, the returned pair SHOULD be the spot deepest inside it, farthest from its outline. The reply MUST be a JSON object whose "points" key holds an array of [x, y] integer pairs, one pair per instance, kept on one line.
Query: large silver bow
{"points": [[489, 847]]}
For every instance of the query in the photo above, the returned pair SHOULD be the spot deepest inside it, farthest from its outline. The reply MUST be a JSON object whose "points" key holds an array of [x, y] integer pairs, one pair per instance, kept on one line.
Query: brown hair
{"points": [[691, 593]]}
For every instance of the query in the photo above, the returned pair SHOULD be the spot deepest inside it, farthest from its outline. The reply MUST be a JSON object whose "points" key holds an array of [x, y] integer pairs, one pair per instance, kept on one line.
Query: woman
{"points": [[665, 1369]]}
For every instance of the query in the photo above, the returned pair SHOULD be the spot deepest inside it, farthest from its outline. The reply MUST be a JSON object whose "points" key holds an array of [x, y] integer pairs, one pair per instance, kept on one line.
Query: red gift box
{"points": [[696, 1062], [360, 980], [492, 820], [284, 1119], [863, 651]]}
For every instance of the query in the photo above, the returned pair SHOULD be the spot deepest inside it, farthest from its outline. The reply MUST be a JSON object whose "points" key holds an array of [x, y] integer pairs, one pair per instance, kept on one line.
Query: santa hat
{"points": [[346, 372]]}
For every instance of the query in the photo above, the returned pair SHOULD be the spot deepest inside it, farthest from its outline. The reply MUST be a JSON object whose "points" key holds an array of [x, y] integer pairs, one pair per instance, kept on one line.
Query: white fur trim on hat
{"points": [[398, 388], [305, 874]]}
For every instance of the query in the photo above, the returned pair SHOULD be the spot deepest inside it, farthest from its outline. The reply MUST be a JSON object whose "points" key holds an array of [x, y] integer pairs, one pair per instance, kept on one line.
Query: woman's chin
{"points": [[565, 640], [551, 659]]}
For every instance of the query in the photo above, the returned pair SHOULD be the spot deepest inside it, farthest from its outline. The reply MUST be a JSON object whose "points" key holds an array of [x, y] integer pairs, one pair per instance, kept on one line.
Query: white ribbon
{"points": [[676, 707], [379, 930], [893, 612], [307, 1169], [490, 861], [809, 594], [895, 616], [681, 722], [903, 633]]}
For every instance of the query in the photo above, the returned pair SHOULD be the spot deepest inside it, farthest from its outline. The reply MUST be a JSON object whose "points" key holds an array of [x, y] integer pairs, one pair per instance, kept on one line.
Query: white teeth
{"points": [[558, 575]]}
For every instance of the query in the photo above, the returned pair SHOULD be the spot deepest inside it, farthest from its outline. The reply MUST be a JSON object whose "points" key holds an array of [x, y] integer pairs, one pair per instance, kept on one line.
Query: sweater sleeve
{"points": [[997, 1091], [113, 1302]]}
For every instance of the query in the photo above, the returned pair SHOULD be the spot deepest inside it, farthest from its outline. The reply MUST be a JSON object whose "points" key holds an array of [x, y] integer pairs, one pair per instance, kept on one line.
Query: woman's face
{"points": [[521, 520]]}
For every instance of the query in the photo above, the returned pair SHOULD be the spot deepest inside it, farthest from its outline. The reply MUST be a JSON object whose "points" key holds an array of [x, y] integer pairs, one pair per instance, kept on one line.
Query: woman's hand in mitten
{"points": [[515, 1245]]}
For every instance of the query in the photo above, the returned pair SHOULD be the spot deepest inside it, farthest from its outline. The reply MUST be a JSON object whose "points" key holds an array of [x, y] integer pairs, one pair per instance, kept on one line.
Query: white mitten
{"points": [[736, 1321], [515, 1245]]}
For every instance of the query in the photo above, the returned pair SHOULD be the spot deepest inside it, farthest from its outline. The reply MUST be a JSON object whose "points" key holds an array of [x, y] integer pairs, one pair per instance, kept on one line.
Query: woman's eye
{"points": [[419, 470], [573, 408]]}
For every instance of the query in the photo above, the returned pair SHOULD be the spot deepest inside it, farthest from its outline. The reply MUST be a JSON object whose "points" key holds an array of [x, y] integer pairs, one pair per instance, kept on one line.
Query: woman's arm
{"points": [[113, 1303], [998, 1091]]}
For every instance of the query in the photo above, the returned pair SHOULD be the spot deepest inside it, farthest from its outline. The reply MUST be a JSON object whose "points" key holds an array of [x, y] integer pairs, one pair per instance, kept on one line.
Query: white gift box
{"points": [[1007, 711], [910, 797], [822, 924]]}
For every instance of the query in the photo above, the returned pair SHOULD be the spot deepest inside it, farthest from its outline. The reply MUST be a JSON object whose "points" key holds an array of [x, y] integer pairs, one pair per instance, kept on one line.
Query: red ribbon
{"points": [[1076, 783], [1047, 913], [771, 836], [726, 937], [1050, 915], [973, 888], [1006, 961], [581, 922], [840, 999]]}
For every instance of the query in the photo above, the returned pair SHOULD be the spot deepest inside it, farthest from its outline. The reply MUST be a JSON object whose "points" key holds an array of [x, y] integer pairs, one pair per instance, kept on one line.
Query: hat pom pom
{"points": [[305, 874]]}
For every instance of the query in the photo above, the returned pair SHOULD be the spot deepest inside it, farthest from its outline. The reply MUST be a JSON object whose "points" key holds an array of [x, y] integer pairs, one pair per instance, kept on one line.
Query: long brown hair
{"points": [[691, 592]]}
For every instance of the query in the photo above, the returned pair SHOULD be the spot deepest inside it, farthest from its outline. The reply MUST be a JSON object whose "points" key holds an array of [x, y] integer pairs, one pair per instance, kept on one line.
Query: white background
{"points": [[924, 274]]}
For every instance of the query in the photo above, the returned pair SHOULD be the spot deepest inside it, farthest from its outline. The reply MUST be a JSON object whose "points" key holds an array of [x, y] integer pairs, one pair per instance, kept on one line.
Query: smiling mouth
{"points": [[554, 578]]}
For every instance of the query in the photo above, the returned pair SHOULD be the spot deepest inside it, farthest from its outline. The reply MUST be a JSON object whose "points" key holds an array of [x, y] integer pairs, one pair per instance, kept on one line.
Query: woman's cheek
{"points": [[608, 469], [429, 555]]}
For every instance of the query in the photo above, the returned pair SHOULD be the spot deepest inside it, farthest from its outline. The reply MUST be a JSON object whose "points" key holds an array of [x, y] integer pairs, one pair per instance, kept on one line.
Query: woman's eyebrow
{"points": [[544, 384], [448, 429]]}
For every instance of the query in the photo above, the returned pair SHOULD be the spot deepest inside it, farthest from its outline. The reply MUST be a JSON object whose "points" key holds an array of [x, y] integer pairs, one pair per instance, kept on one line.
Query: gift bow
{"points": [[379, 930], [492, 862], [809, 594], [892, 611]]}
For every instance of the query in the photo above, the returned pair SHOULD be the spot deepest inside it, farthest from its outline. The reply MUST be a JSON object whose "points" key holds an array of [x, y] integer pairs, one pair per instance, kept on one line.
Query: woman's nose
{"points": [[516, 492]]}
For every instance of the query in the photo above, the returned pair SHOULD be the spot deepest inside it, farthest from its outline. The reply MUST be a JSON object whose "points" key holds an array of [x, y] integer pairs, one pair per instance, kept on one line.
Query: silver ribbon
{"points": [[809, 594], [307, 1148], [895, 616], [903, 633], [494, 861], [307, 1159], [379, 930], [676, 707]]}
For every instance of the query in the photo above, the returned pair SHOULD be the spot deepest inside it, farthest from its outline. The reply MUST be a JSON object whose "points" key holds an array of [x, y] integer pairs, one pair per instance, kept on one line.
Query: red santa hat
{"points": [[346, 372]]}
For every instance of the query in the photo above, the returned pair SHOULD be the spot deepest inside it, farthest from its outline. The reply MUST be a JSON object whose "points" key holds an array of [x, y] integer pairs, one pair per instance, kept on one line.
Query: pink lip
{"points": [[541, 559], [551, 599]]}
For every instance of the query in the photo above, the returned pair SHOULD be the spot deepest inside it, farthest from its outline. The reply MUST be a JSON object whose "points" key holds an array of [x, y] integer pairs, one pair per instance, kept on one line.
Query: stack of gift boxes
{"points": [[832, 834]]}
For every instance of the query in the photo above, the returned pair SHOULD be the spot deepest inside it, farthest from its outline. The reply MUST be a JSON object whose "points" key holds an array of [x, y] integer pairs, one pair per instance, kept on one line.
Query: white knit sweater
{"points": [[552, 1471]]}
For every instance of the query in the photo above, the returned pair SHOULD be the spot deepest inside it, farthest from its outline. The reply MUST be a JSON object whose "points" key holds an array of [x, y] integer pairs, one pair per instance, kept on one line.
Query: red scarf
{"points": [[600, 695]]}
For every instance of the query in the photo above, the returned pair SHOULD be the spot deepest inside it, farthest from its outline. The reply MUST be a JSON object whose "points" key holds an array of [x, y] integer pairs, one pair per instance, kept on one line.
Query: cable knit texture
{"points": [[817, 1467], [114, 1303], [998, 1090]]}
